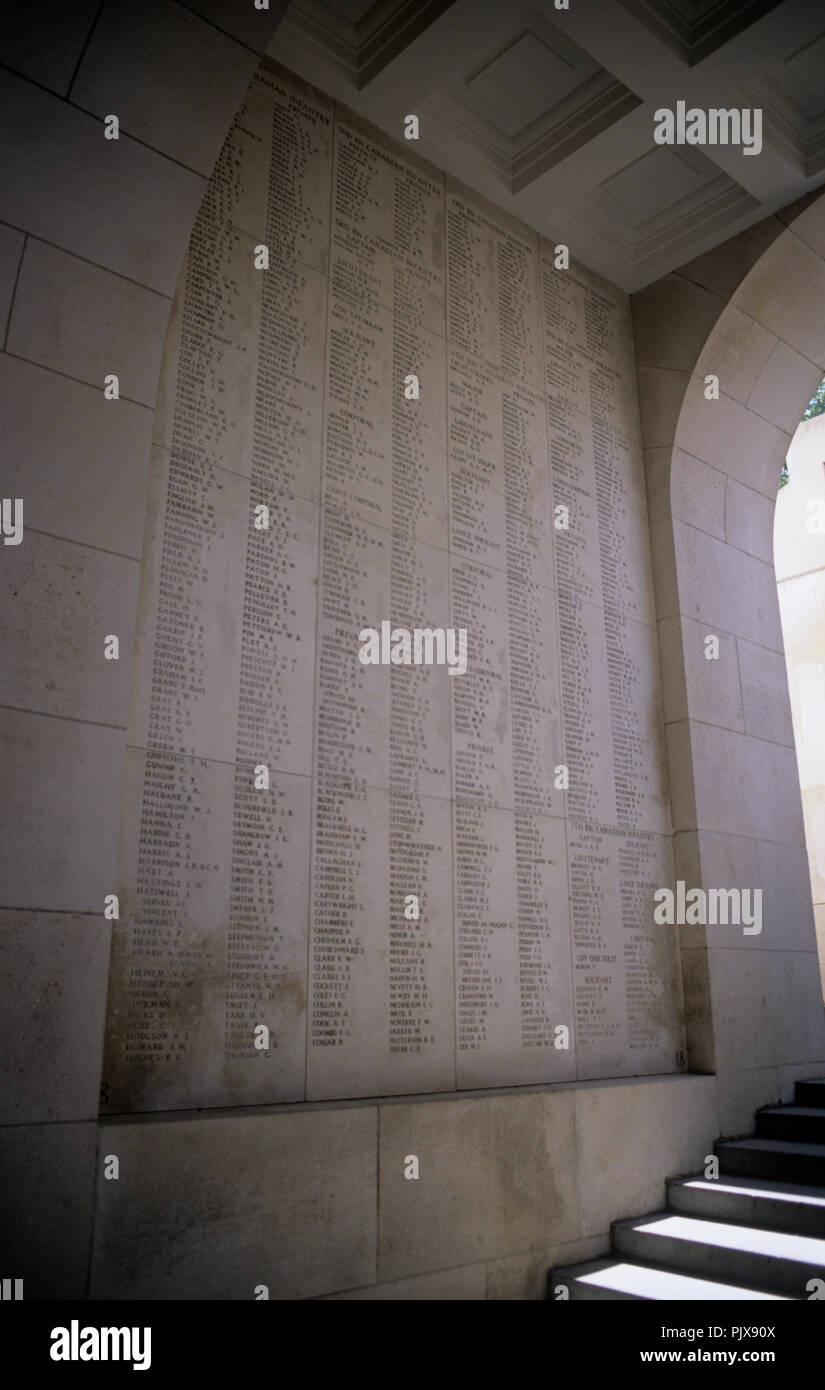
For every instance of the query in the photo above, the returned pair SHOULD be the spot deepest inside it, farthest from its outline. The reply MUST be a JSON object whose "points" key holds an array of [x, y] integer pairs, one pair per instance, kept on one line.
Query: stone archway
{"points": [[751, 313], [94, 233]]}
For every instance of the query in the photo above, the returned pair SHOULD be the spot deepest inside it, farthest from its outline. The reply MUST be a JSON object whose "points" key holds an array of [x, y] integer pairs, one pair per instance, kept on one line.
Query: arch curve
{"points": [[752, 314]]}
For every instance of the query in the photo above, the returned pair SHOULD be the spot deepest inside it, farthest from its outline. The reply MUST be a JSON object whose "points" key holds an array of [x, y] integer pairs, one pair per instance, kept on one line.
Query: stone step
{"points": [[755, 1233], [811, 1093], [773, 1158], [778, 1206], [615, 1278], [776, 1261], [795, 1122]]}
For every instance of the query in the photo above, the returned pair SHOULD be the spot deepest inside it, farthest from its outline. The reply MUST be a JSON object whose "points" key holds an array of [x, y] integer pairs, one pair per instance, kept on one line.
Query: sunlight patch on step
{"points": [[664, 1284], [804, 1195], [754, 1240]]}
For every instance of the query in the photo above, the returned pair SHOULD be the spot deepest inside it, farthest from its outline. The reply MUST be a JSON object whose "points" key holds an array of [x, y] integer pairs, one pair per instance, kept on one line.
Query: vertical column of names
{"points": [[382, 740], [644, 960], [266, 934], [483, 835], [420, 901], [513, 965], [166, 966], [545, 984], [612, 721]]}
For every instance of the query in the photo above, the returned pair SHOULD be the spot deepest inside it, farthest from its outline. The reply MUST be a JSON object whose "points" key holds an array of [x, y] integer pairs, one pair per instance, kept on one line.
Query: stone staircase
{"points": [[756, 1232]]}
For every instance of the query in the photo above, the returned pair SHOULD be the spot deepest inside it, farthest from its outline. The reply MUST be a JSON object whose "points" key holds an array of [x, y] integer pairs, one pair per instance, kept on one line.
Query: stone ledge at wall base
{"points": [[755, 1232], [503, 1178], [312, 1201], [511, 1183]]}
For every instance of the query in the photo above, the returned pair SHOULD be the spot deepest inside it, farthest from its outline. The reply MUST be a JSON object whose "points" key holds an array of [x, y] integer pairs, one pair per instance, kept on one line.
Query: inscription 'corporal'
{"points": [[424, 646]]}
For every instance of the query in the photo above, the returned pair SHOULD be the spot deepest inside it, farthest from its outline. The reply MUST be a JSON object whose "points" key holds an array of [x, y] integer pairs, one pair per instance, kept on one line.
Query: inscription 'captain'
{"points": [[424, 646]]}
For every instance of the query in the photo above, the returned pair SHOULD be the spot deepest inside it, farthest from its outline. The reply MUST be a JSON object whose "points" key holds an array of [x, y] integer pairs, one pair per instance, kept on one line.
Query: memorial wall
{"points": [[415, 879]]}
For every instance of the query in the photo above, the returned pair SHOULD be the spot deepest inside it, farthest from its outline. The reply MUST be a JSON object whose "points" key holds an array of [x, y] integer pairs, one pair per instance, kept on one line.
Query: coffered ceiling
{"points": [[550, 112]]}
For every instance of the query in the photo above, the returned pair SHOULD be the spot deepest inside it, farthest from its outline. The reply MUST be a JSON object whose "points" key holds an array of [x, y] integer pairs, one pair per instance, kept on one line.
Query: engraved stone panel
{"points": [[340, 878]]}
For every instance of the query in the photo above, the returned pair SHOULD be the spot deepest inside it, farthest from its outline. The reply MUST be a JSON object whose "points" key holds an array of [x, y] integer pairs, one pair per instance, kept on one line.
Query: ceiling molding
{"points": [[694, 31], [600, 102], [365, 47], [551, 114]]}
